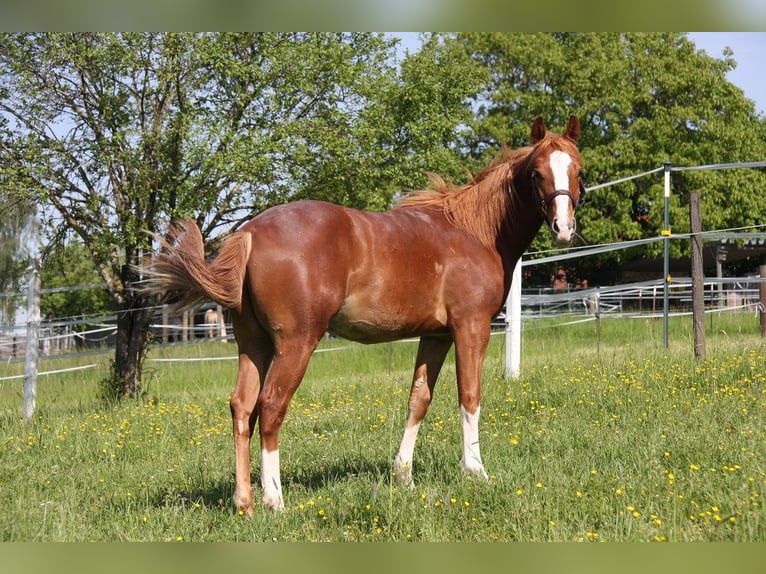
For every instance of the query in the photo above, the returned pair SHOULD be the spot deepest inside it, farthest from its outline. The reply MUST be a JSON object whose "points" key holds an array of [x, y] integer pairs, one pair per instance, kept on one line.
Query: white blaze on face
{"points": [[560, 162]]}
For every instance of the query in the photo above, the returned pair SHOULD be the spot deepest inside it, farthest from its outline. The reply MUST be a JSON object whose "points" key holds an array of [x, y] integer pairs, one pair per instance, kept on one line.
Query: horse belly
{"points": [[370, 320]]}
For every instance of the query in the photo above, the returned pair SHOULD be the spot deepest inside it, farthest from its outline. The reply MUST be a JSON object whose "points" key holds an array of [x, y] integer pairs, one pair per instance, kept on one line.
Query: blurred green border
{"points": [[389, 15], [385, 15], [371, 558]]}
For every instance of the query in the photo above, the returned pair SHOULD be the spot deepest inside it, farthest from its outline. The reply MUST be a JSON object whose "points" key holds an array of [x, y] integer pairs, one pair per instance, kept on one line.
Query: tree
{"points": [[13, 257], [643, 99], [17, 210], [70, 265], [116, 134]]}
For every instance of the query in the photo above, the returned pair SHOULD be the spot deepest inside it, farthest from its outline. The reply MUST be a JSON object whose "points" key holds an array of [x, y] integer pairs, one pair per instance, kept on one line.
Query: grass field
{"points": [[620, 441]]}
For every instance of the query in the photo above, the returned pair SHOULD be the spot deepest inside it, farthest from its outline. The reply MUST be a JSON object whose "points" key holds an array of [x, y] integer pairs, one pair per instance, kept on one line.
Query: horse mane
{"points": [[481, 206], [478, 207]]}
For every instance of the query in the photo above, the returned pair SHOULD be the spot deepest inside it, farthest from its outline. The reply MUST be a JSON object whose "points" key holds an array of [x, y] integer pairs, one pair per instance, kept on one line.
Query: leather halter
{"points": [[544, 202]]}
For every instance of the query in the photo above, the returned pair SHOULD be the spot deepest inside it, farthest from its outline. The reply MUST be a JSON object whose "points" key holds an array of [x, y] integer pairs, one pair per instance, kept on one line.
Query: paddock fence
{"points": [[85, 334], [96, 335]]}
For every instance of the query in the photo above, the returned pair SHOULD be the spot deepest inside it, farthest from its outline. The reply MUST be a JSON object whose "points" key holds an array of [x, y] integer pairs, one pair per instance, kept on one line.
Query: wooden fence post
{"points": [[698, 277]]}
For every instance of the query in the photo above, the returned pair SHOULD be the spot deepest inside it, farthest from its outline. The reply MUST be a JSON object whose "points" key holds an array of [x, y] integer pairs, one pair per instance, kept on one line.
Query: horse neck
{"points": [[522, 223]]}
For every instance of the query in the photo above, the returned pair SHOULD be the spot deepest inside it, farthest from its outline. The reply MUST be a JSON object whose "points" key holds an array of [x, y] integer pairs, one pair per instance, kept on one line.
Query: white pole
{"points": [[33, 320], [513, 326], [33, 342], [666, 233]]}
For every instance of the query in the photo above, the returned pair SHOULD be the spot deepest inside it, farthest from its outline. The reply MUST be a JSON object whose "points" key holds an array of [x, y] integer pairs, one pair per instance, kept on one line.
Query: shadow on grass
{"points": [[217, 494]]}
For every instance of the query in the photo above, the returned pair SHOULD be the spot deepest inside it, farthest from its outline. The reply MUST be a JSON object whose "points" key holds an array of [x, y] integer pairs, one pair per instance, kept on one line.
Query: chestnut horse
{"points": [[437, 266]]}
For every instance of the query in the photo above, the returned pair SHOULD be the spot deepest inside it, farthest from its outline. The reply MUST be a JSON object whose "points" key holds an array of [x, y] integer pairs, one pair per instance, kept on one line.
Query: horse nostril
{"points": [[555, 226]]}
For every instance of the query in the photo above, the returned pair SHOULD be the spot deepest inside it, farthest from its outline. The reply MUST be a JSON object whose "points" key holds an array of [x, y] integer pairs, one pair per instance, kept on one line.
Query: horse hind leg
{"points": [[256, 351], [253, 364], [284, 376], [430, 358]]}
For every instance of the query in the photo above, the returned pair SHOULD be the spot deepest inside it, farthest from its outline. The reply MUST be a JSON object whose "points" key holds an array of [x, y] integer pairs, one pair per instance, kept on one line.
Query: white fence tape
{"points": [[55, 372]]}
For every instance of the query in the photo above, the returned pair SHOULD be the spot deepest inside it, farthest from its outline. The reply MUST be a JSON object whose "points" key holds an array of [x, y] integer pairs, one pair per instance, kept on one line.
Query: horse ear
{"points": [[573, 129], [538, 130]]}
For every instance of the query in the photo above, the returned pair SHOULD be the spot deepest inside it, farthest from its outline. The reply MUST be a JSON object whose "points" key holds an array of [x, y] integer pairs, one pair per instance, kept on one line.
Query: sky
{"points": [[749, 52]]}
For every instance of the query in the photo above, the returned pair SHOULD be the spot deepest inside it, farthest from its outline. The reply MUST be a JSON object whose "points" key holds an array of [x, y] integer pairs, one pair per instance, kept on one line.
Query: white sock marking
{"points": [[407, 448], [270, 480], [471, 452]]}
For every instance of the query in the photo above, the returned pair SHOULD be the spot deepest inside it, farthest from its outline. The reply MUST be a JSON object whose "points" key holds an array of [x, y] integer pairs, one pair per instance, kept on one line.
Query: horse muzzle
{"points": [[561, 218], [563, 235]]}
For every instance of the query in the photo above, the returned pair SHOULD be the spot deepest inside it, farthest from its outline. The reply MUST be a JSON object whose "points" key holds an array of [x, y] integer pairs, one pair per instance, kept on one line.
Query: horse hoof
{"points": [[245, 511], [243, 505], [274, 504], [403, 473], [476, 472]]}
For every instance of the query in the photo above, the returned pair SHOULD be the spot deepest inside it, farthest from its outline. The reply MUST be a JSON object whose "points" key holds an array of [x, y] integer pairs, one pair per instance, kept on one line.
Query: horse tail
{"points": [[181, 269]]}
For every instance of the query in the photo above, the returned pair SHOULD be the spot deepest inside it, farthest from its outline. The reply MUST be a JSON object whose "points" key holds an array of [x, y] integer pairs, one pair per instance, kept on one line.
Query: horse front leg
{"points": [[430, 358], [471, 343]]}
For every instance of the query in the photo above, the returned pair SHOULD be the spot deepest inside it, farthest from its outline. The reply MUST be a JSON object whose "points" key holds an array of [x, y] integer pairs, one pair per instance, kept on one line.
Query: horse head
{"points": [[556, 180]]}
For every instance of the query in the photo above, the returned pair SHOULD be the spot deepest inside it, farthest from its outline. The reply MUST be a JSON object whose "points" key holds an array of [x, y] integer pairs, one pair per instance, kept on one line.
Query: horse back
{"points": [[367, 276]]}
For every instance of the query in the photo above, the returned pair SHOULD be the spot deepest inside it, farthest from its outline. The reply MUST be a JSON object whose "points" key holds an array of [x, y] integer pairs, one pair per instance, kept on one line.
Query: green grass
{"points": [[620, 441]]}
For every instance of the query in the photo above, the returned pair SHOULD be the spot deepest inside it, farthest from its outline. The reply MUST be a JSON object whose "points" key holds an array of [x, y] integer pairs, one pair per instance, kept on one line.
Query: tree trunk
{"points": [[130, 347], [130, 350]]}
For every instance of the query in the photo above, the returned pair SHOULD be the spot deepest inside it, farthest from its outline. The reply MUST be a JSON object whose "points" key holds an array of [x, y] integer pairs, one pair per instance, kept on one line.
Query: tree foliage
{"points": [[116, 134], [16, 209], [13, 256], [70, 265], [643, 100]]}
